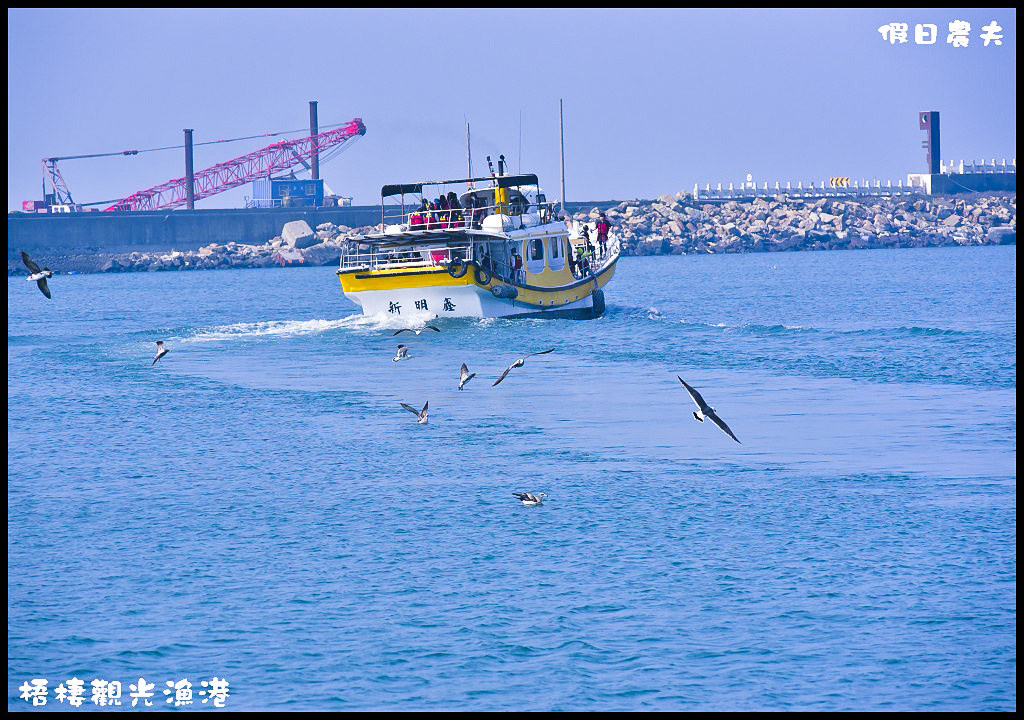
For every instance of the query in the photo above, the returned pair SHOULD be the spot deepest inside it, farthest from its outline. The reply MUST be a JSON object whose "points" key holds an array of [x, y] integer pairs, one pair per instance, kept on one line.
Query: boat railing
{"points": [[376, 257], [598, 261], [461, 218]]}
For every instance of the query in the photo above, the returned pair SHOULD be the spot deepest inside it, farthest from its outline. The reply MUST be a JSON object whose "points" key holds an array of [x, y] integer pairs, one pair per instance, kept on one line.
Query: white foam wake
{"points": [[293, 328], [268, 329]]}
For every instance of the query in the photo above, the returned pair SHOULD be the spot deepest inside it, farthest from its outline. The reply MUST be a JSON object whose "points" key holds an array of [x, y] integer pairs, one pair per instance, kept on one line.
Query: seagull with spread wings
{"points": [[160, 351], [706, 411], [465, 375], [403, 353], [38, 275], [519, 363], [417, 331], [420, 414]]}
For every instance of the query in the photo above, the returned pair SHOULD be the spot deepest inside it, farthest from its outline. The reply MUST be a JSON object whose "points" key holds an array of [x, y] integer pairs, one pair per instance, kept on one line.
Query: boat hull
{"points": [[435, 293]]}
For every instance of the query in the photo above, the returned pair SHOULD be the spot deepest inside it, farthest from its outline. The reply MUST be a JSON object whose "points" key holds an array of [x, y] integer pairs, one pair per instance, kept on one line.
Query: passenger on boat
{"points": [[479, 212], [442, 216], [484, 254], [418, 219], [588, 244], [517, 267], [572, 265], [583, 260], [602, 233], [451, 213], [454, 211], [433, 222], [544, 210]]}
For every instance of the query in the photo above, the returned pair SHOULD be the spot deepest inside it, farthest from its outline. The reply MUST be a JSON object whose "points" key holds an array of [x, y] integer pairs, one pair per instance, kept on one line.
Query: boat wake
{"points": [[359, 324], [632, 312], [268, 329]]}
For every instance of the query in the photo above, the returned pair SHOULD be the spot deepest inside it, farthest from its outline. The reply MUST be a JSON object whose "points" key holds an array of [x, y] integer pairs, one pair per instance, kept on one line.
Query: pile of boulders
{"points": [[298, 244], [678, 224]]}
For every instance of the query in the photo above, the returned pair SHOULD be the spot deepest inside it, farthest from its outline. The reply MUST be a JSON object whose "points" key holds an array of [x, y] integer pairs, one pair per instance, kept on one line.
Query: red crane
{"points": [[233, 173]]}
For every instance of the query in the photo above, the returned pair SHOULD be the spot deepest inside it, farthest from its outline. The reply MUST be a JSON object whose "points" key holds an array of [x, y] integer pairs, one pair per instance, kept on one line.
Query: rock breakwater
{"points": [[676, 224], [670, 225]]}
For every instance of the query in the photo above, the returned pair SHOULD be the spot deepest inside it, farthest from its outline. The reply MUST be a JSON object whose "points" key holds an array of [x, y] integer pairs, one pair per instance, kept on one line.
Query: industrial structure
{"points": [[258, 168]]}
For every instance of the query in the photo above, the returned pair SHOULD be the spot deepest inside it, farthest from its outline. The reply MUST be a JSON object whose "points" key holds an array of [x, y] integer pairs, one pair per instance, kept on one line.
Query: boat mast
{"points": [[561, 152], [469, 156]]}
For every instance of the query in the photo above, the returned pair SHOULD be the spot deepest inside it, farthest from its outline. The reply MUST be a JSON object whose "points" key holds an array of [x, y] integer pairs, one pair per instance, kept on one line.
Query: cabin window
{"points": [[517, 204], [537, 249], [556, 261], [534, 256]]}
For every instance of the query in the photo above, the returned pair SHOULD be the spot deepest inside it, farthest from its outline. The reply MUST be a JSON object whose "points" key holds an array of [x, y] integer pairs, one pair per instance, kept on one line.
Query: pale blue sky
{"points": [[655, 100]]}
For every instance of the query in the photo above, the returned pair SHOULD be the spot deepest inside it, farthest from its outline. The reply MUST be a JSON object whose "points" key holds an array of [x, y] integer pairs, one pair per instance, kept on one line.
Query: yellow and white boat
{"points": [[459, 259]]}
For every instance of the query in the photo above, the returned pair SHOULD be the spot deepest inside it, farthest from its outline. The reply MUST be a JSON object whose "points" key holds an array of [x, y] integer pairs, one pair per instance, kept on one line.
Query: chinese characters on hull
{"points": [[395, 308]]}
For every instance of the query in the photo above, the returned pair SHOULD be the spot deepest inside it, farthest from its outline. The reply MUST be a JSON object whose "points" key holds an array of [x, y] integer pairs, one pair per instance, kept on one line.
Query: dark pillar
{"points": [[929, 122], [313, 131], [190, 179]]}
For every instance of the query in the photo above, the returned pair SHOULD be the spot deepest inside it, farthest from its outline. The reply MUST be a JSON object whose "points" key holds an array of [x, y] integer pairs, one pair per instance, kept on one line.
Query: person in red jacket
{"points": [[517, 267], [602, 233]]}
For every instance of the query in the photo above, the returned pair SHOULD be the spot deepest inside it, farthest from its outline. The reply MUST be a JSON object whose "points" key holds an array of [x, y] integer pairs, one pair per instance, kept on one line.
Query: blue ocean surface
{"points": [[257, 507]]}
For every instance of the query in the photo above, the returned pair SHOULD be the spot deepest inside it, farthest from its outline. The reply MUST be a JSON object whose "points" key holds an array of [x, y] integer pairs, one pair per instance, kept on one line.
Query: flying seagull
{"points": [[414, 330], [160, 351], [38, 274], [519, 363], [421, 414], [706, 411], [529, 499], [465, 376], [403, 353]]}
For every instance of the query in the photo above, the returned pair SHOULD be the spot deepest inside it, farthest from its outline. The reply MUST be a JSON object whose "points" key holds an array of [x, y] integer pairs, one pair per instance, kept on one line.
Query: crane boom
{"points": [[239, 171]]}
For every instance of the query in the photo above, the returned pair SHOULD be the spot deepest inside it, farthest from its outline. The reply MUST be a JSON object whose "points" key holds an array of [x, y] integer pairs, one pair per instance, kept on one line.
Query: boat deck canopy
{"points": [[505, 181]]}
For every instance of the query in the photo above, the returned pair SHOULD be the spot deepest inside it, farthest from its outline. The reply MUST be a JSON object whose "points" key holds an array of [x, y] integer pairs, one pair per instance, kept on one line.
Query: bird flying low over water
{"points": [[39, 275], [706, 411], [519, 363], [420, 414], [160, 351], [529, 499], [403, 353], [414, 330], [465, 375]]}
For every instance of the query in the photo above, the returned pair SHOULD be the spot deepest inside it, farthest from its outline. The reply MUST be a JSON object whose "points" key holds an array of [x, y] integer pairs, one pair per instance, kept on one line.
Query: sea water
{"points": [[258, 508]]}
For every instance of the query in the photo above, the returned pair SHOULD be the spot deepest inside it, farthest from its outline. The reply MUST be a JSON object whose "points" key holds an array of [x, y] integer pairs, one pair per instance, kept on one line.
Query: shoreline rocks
{"points": [[679, 225], [671, 225]]}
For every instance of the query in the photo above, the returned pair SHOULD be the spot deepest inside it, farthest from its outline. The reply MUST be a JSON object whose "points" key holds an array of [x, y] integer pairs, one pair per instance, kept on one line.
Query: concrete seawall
{"points": [[114, 233]]}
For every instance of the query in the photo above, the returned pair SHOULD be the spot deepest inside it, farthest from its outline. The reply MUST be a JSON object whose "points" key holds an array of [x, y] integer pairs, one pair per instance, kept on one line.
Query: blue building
{"points": [[286, 192]]}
